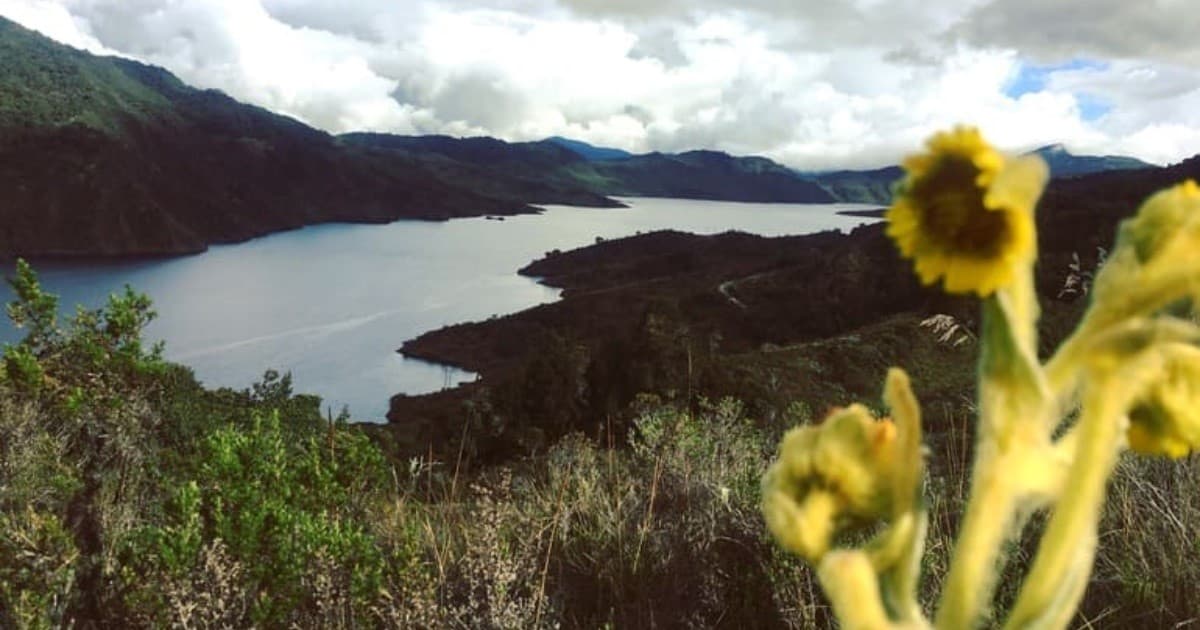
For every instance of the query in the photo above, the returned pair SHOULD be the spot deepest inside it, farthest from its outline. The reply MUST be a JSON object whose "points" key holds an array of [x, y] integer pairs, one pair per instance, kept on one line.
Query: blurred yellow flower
{"points": [[964, 213], [1167, 217], [828, 477], [1048, 435], [1166, 421]]}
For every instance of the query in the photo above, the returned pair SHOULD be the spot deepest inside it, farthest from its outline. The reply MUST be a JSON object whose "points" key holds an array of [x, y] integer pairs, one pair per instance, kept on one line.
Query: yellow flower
{"points": [[1166, 421], [1155, 262], [828, 477], [1163, 219], [965, 214]]}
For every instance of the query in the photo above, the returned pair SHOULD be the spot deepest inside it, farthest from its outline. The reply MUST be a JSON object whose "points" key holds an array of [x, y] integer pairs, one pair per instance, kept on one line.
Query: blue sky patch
{"points": [[1032, 78], [1092, 107]]}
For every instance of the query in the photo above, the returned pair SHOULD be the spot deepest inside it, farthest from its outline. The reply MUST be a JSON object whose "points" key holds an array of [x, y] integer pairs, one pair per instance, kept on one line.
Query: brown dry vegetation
{"points": [[246, 509]]}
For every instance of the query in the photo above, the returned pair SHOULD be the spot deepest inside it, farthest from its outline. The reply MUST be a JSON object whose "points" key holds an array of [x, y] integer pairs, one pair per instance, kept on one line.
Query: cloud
{"points": [[1051, 30], [813, 83], [1154, 109], [53, 20]]}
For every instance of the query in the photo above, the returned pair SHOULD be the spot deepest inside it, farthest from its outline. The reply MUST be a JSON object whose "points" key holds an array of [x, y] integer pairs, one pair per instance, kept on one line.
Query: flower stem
{"points": [[1070, 538], [968, 585], [1011, 397]]}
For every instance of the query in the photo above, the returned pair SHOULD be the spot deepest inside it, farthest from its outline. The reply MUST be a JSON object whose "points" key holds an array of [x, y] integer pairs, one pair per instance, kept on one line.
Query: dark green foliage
{"points": [[118, 471], [286, 504], [690, 175], [33, 309], [677, 315], [545, 400], [870, 186], [589, 152], [701, 175]]}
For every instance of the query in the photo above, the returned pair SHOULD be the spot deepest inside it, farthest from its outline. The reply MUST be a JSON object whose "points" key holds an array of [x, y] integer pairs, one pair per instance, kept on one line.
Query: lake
{"points": [[331, 303]]}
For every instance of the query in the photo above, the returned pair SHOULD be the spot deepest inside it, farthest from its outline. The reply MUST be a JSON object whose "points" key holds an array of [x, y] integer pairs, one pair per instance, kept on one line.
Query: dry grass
{"points": [[1148, 569], [666, 533], [663, 531]]}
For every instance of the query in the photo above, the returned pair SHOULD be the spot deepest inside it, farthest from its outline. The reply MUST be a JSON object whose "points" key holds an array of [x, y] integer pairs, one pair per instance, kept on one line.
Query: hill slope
{"points": [[1063, 163], [589, 152], [102, 155], [690, 175], [875, 186]]}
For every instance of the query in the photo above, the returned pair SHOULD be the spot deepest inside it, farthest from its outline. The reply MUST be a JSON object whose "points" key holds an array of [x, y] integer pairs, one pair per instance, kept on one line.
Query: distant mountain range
{"points": [[617, 172], [107, 156], [611, 172], [875, 186], [589, 152], [1063, 163]]}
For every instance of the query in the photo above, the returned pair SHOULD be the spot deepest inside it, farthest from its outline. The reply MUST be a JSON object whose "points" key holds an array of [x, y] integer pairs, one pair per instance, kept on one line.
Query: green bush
{"points": [[287, 504], [132, 496]]}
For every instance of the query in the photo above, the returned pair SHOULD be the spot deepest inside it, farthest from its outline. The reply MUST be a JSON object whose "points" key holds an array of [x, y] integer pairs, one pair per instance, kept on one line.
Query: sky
{"points": [[814, 84]]}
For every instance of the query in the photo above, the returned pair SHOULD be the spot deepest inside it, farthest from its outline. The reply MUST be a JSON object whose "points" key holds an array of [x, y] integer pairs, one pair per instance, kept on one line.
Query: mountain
{"points": [[589, 152], [871, 186], [875, 186], [481, 151], [702, 175], [103, 155], [1063, 163], [690, 175]]}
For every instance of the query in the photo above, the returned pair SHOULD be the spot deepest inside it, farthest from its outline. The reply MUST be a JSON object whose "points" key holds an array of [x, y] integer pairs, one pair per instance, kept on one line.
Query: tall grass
{"points": [[1148, 568], [662, 530]]}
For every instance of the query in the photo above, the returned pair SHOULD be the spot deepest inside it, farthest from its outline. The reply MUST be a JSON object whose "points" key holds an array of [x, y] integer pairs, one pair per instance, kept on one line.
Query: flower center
{"points": [[951, 203]]}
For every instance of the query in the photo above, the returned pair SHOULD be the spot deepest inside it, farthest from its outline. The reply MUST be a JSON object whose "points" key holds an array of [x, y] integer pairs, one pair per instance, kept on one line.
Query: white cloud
{"points": [[1153, 29], [53, 20], [813, 83]]}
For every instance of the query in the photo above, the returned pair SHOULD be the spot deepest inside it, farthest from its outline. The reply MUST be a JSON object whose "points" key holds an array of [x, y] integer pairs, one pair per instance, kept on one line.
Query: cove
{"points": [[331, 303]]}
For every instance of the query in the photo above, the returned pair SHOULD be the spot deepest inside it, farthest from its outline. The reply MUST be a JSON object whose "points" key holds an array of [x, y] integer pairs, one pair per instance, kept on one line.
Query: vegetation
{"points": [[689, 175], [1048, 433], [132, 497], [103, 155]]}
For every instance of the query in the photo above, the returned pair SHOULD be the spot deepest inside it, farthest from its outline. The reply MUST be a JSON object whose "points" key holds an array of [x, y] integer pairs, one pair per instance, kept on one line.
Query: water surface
{"points": [[331, 303]]}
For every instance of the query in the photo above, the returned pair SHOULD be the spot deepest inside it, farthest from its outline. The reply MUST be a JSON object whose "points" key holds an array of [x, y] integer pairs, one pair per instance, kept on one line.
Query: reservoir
{"points": [[331, 303]]}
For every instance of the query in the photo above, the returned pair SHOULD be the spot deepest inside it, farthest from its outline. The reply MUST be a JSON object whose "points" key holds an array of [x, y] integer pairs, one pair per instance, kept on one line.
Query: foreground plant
{"points": [[1048, 433]]}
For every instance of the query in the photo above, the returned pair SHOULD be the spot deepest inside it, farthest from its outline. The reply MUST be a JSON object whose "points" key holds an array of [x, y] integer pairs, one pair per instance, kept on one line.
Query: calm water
{"points": [[331, 303]]}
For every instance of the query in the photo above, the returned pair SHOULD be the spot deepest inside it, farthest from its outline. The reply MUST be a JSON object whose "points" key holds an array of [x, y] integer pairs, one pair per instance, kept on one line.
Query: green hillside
{"points": [[102, 155], [1063, 163], [691, 175]]}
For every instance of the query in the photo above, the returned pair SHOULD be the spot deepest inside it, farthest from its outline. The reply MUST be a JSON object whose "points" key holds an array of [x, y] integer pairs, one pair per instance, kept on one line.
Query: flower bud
{"points": [[1163, 220], [1166, 419], [829, 477]]}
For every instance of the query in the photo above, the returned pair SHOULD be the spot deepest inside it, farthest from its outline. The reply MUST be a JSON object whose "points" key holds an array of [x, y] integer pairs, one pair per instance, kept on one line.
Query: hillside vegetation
{"points": [[102, 155], [689, 175], [132, 497]]}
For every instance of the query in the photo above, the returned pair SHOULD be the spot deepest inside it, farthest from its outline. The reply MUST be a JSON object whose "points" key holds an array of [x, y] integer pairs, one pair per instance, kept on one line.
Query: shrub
{"points": [[289, 508]]}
